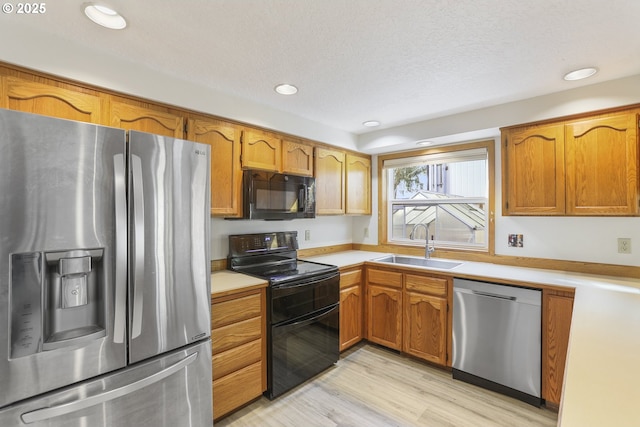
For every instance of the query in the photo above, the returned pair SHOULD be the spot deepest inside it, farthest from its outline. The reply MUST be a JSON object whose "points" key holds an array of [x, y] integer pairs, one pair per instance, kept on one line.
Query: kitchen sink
{"points": [[420, 262]]}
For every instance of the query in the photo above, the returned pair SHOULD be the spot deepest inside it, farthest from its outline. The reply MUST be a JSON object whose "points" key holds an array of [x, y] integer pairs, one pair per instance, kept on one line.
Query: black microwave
{"points": [[276, 196]]}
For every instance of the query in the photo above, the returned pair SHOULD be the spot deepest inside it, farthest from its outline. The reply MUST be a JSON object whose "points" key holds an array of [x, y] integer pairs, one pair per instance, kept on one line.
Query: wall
{"points": [[324, 231], [485, 123], [584, 239], [74, 61], [578, 239], [567, 238]]}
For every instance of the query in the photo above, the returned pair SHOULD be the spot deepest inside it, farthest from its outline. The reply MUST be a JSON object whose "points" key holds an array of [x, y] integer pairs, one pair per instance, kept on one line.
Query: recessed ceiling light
{"points": [[286, 89], [580, 74], [424, 142], [371, 123], [104, 16]]}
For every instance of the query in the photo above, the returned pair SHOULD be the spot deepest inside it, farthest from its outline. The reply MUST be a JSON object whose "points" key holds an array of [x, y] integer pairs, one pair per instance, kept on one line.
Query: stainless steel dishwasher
{"points": [[497, 338]]}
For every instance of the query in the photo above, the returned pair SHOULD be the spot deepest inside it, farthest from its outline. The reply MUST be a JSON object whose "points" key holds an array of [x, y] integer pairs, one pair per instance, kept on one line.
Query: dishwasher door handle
{"points": [[490, 295]]}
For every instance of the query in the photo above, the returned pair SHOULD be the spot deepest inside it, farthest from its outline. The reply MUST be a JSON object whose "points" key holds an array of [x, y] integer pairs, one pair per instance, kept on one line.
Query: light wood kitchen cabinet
{"points": [[582, 167], [297, 158], [358, 185], [133, 115], [261, 150], [226, 174], [533, 170], [557, 307], [238, 331], [384, 307], [409, 311], [351, 307], [330, 181], [425, 317], [49, 100], [602, 165]]}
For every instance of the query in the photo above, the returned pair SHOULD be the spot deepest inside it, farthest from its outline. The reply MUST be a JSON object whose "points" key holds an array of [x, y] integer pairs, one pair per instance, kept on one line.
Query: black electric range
{"points": [[303, 307]]}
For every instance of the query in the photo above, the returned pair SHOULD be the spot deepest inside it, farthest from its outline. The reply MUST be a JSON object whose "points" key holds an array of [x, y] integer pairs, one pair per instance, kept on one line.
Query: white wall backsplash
{"points": [[586, 239], [324, 231]]}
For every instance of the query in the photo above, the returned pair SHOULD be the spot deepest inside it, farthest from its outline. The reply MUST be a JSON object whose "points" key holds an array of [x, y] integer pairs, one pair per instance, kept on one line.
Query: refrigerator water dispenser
{"points": [[73, 276], [74, 300]]}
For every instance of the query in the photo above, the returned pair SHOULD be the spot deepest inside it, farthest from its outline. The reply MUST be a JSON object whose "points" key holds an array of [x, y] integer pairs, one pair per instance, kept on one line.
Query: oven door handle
{"points": [[304, 321], [295, 285]]}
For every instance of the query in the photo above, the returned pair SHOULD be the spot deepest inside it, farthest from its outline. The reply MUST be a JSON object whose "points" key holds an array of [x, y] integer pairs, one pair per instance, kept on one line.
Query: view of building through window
{"points": [[448, 192]]}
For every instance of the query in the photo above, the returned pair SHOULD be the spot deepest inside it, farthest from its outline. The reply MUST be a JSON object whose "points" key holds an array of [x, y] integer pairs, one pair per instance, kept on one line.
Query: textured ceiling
{"points": [[396, 61]]}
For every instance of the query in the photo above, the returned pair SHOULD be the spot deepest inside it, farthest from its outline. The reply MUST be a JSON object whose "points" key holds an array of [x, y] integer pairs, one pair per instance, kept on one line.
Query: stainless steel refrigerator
{"points": [[104, 276]]}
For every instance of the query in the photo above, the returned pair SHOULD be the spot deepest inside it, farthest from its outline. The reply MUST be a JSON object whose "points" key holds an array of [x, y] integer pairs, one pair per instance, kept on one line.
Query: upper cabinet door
{"points": [[143, 119], [48, 100], [358, 185], [330, 182], [226, 174], [602, 165], [533, 170], [261, 150], [297, 158]]}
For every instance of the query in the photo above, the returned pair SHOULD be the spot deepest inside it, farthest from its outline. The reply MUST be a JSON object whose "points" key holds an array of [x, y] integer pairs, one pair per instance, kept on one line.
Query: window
{"points": [[447, 190]]}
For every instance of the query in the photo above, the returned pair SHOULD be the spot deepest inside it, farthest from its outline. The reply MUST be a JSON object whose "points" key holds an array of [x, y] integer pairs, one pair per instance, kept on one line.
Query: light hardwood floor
{"points": [[373, 386]]}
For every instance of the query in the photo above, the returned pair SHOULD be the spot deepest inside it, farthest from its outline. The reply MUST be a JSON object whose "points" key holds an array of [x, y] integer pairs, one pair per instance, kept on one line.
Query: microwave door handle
{"points": [[138, 241], [301, 198]]}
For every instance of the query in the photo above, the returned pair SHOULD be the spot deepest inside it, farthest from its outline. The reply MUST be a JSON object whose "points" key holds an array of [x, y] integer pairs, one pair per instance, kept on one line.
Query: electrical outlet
{"points": [[307, 234], [366, 232], [624, 245]]}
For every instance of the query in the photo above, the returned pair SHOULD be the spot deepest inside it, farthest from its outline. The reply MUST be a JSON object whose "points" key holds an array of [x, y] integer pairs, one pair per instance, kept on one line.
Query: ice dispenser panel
{"points": [[57, 300], [73, 298]]}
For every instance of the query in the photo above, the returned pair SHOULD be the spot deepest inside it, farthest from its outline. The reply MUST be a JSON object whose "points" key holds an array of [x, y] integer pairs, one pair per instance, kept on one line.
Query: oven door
{"points": [[300, 297], [302, 348]]}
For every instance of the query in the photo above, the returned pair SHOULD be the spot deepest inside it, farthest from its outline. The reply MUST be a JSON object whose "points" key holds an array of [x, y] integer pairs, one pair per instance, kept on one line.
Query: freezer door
{"points": [[169, 391], [169, 208], [63, 242]]}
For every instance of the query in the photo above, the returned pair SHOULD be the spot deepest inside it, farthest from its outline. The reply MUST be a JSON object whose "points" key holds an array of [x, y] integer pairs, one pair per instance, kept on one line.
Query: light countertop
{"points": [[226, 282], [602, 374]]}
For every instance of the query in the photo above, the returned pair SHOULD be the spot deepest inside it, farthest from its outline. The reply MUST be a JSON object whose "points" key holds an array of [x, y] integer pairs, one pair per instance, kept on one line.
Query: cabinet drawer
{"points": [[236, 334], [350, 278], [235, 310], [384, 278], [427, 285], [236, 358], [236, 389]]}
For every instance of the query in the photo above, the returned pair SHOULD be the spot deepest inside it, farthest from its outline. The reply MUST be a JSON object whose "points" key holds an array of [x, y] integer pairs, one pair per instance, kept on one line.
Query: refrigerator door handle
{"points": [[138, 242], [120, 315], [67, 408]]}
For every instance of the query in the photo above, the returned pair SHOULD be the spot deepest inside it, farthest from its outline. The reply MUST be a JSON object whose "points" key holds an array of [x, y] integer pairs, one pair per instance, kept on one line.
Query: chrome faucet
{"points": [[427, 249]]}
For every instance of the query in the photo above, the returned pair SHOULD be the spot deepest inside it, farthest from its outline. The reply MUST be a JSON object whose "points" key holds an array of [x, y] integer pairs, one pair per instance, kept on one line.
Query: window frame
{"points": [[383, 199]]}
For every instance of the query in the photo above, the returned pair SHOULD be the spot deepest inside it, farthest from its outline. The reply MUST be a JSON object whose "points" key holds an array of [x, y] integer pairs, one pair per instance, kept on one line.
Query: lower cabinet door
{"points": [[384, 307], [236, 389], [425, 327], [350, 316], [556, 321]]}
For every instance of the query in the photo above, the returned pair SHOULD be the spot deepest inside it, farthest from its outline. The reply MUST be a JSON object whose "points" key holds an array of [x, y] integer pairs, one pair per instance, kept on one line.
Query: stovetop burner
{"points": [[304, 269]]}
